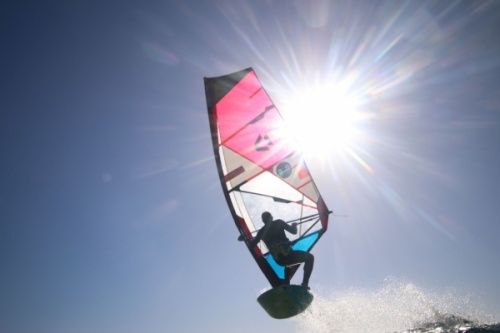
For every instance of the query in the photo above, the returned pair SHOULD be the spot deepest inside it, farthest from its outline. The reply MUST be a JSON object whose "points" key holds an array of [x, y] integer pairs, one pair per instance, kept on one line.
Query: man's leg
{"points": [[308, 267], [297, 257]]}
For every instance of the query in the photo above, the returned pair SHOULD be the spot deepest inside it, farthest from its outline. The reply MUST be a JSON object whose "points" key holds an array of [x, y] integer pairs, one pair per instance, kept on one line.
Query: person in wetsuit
{"points": [[273, 235]]}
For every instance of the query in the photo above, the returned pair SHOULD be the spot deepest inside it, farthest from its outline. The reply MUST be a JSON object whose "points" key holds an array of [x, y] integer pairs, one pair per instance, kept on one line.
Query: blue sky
{"points": [[112, 218]]}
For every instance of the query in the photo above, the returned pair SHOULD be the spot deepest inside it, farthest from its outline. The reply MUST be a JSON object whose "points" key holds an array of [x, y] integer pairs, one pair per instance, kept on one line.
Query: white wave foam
{"points": [[397, 307]]}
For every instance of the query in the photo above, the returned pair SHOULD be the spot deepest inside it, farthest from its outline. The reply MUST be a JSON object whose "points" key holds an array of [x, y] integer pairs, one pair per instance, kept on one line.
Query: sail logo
{"points": [[262, 143], [284, 169]]}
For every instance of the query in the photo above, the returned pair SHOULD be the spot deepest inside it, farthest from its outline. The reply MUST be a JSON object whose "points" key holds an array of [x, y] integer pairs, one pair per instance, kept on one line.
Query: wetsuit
{"points": [[273, 234]]}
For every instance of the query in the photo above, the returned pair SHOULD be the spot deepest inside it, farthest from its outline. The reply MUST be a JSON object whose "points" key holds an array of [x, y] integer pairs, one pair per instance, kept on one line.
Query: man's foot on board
{"points": [[306, 286], [285, 282]]}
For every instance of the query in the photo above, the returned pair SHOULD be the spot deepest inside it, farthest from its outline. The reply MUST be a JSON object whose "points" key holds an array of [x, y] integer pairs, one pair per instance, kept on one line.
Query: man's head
{"points": [[266, 217]]}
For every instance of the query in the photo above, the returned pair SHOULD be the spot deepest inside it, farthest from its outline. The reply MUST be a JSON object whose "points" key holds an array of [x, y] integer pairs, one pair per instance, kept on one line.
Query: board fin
{"points": [[285, 301]]}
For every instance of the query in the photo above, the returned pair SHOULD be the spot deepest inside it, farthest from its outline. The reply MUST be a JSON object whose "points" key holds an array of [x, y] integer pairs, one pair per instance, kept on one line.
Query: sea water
{"points": [[398, 306]]}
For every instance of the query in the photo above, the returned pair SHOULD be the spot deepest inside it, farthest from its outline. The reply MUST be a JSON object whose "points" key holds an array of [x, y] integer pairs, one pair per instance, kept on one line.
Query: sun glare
{"points": [[322, 119]]}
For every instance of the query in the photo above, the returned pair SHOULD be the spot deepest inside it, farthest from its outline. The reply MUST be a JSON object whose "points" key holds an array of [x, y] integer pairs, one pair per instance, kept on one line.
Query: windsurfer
{"points": [[273, 235]]}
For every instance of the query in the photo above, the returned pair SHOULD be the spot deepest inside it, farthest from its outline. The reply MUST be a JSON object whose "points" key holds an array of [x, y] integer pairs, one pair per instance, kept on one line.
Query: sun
{"points": [[322, 118]]}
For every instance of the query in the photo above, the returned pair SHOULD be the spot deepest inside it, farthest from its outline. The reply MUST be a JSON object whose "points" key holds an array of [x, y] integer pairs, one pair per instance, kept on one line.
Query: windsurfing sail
{"points": [[261, 167]]}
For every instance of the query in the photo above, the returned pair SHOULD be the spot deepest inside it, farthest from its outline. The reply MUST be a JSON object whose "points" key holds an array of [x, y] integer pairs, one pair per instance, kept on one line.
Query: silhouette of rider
{"points": [[273, 235]]}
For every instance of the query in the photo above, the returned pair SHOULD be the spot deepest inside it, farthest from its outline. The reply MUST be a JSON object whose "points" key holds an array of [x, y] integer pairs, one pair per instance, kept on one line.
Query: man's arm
{"points": [[291, 228], [254, 241]]}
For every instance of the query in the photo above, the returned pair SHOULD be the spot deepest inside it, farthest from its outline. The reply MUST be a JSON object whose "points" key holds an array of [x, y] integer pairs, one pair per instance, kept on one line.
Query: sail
{"points": [[261, 167]]}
